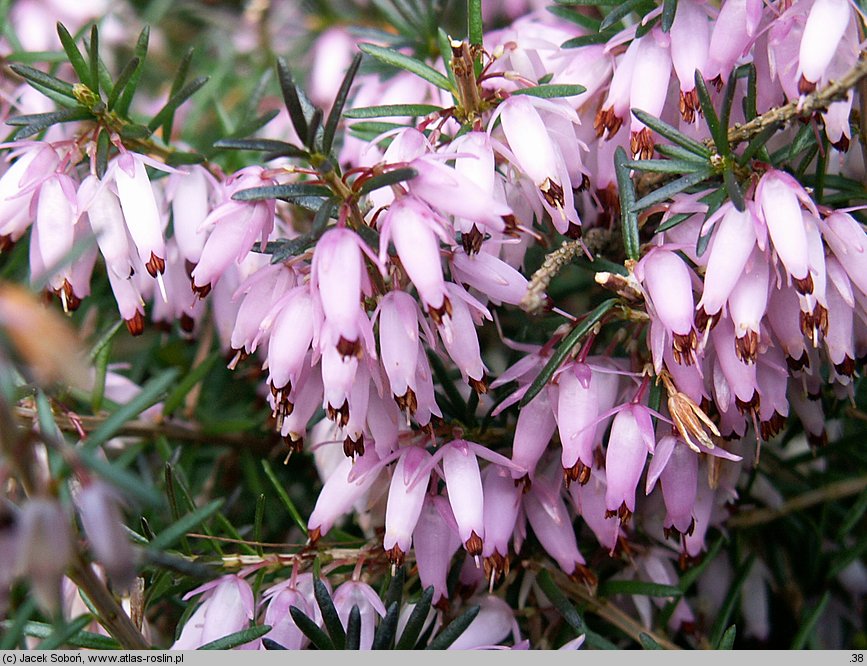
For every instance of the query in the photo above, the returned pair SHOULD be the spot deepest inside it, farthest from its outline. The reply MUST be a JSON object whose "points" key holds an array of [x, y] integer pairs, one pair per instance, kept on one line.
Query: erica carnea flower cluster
{"points": [[389, 272]]}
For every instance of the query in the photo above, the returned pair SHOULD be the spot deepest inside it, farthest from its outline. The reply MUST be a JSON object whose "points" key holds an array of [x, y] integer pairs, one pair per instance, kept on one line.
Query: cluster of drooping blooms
{"points": [[351, 328], [780, 310], [754, 345], [227, 605], [49, 190], [737, 335]]}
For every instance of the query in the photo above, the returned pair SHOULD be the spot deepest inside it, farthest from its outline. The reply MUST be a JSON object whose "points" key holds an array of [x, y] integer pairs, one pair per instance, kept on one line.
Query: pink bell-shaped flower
{"points": [[533, 432], [227, 607], [629, 442], [733, 240], [234, 227], [779, 197], [577, 419], [346, 484], [690, 38], [667, 281], [357, 593], [336, 279], [416, 233], [140, 210], [406, 496], [466, 497], [549, 517], [435, 542], [503, 501], [537, 156], [826, 23]]}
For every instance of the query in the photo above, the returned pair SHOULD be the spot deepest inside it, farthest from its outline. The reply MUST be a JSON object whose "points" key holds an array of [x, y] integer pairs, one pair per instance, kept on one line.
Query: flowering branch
{"points": [[816, 101], [802, 108]]}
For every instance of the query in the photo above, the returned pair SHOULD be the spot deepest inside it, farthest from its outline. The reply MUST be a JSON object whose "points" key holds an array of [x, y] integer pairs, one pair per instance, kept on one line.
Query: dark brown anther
{"points": [[6, 243], [353, 448], [749, 405], [294, 445], [747, 347], [187, 323], [606, 120], [511, 226], [584, 575], [395, 555], [704, 321], [282, 406], [474, 544], [641, 143], [817, 441], [496, 565], [525, 482], [689, 105], [238, 355], [314, 535], [683, 347], [805, 87], [155, 265], [202, 291], [842, 144], [553, 193], [408, 401], [804, 285], [772, 427], [472, 240], [623, 513], [135, 325], [340, 415], [799, 363], [820, 318], [443, 311], [846, 367], [65, 293], [578, 472], [349, 349], [574, 231], [480, 386]]}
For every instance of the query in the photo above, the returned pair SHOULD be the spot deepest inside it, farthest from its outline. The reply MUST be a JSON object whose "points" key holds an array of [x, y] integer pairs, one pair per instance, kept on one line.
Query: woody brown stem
{"points": [[111, 615], [829, 493], [173, 430], [802, 108], [818, 100], [534, 299]]}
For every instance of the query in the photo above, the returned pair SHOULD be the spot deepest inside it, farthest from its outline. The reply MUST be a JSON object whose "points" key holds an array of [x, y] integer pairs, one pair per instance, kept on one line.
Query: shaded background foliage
{"points": [[207, 489]]}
